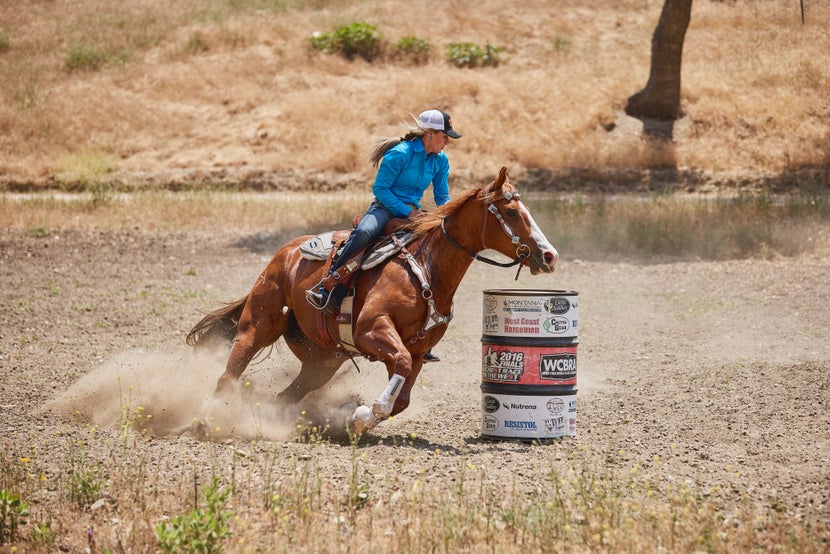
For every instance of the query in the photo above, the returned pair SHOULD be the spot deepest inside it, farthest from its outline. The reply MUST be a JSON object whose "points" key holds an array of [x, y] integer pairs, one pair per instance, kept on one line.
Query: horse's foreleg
{"points": [[402, 402], [382, 407], [393, 400], [380, 337]]}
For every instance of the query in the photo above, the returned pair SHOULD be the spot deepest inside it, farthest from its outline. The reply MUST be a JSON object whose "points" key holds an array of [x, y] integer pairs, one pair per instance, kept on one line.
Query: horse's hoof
{"points": [[363, 420]]}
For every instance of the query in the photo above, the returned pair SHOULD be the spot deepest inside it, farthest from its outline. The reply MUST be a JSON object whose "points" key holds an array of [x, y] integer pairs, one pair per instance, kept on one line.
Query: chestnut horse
{"points": [[400, 308]]}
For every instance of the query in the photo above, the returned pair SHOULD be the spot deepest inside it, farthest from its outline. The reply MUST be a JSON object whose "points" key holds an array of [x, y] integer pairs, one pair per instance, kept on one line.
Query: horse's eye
{"points": [[512, 213]]}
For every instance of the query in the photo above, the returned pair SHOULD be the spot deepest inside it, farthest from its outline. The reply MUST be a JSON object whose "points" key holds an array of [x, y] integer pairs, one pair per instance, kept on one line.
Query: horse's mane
{"points": [[432, 219]]}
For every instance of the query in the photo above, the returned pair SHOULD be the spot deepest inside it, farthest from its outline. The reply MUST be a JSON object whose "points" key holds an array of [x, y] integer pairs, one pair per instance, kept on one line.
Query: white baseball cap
{"points": [[438, 120]]}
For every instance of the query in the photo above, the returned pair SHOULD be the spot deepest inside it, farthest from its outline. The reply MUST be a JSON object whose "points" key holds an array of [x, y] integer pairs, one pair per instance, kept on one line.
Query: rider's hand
{"points": [[415, 213]]}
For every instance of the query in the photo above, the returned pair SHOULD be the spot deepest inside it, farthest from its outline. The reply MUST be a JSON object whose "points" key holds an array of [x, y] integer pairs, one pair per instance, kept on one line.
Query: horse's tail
{"points": [[219, 326]]}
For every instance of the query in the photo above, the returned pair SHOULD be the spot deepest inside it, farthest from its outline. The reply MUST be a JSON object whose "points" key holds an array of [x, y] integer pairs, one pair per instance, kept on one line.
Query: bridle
{"points": [[522, 250]]}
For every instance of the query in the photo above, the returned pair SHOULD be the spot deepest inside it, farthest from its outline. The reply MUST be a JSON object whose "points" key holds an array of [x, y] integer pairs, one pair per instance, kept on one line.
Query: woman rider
{"points": [[406, 167]]}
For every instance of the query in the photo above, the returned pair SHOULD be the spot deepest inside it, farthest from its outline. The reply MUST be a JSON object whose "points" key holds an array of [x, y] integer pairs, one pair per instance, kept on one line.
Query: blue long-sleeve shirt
{"points": [[404, 174]]}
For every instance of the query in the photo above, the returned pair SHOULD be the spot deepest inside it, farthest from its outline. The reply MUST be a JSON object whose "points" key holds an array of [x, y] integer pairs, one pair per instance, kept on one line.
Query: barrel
{"points": [[529, 364]]}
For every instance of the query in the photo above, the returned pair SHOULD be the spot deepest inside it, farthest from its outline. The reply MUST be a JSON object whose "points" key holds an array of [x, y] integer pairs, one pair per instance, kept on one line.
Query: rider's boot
{"points": [[338, 293], [318, 298], [323, 299], [330, 291], [430, 357]]}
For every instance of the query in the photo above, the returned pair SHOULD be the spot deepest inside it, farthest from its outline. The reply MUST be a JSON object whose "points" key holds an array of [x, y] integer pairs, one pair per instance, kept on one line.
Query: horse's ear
{"points": [[502, 177]]}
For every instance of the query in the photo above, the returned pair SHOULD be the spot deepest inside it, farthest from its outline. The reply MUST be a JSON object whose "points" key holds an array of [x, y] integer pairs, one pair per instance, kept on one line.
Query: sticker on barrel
{"points": [[506, 364], [528, 417], [530, 313]]}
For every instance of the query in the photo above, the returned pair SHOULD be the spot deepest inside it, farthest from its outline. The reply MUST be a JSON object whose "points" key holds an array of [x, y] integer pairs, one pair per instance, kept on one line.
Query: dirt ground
{"points": [[719, 370]]}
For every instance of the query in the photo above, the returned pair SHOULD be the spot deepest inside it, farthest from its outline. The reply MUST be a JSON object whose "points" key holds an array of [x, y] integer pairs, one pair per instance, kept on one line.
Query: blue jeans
{"points": [[370, 227]]}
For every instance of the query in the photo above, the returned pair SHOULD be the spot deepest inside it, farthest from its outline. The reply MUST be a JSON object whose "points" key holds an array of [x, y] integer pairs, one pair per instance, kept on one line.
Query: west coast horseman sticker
{"points": [[530, 314]]}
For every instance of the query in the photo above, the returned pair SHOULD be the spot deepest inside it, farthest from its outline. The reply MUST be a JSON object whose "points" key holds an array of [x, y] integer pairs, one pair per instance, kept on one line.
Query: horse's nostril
{"points": [[550, 258]]}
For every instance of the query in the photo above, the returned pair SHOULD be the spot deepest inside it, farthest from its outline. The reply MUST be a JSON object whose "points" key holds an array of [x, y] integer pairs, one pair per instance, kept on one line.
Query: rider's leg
{"points": [[370, 227]]}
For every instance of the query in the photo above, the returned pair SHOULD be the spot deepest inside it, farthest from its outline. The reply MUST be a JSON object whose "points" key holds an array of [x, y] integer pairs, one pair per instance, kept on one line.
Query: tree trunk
{"points": [[660, 99]]}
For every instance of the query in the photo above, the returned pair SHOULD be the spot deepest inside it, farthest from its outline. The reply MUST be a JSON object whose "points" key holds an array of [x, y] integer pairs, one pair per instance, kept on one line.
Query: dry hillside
{"points": [[155, 92]]}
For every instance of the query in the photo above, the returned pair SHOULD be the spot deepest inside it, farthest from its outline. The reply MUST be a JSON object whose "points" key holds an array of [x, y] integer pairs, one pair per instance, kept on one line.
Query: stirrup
{"points": [[314, 298]]}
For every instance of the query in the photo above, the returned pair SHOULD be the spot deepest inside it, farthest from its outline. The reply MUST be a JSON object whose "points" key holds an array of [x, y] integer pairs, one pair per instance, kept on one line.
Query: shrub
{"points": [[413, 48], [356, 39], [468, 54], [324, 42], [5, 44]]}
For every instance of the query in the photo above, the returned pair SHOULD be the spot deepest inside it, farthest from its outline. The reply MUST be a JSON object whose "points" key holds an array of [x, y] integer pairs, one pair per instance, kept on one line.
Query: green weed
{"points": [[561, 43], [200, 529], [86, 57], [87, 170], [359, 487], [40, 231], [84, 482], [13, 513], [43, 535], [197, 44]]}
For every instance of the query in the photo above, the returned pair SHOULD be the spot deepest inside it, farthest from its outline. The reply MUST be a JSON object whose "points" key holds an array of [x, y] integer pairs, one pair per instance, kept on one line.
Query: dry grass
{"points": [[277, 498], [213, 86], [287, 213], [657, 227]]}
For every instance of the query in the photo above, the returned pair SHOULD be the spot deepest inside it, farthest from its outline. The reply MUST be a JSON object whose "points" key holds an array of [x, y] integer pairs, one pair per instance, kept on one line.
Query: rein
{"points": [[522, 251]]}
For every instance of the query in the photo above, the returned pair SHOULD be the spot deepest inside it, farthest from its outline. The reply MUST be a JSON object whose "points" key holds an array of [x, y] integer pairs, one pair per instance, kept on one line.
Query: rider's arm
{"points": [[440, 185]]}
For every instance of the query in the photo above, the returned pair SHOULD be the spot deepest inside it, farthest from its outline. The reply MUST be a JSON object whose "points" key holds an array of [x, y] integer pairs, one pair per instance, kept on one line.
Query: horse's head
{"points": [[509, 228]]}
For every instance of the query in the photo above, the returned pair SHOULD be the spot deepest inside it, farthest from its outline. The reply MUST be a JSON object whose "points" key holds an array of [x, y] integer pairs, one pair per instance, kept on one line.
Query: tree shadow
{"points": [[661, 158], [660, 130]]}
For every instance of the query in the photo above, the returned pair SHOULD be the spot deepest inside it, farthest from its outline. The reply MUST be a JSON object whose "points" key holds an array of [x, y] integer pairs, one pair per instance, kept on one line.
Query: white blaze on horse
{"points": [[400, 308]]}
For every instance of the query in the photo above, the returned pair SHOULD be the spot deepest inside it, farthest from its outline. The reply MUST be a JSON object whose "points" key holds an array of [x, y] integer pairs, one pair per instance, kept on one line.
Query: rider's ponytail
{"points": [[383, 145]]}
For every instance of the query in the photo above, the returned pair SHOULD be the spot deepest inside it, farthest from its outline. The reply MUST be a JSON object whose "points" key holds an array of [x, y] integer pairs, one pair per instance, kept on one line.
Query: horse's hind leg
{"points": [[260, 325], [319, 366]]}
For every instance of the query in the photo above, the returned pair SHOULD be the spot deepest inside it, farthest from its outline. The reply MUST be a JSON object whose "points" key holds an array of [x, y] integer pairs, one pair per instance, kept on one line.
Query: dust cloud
{"points": [[172, 393]]}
